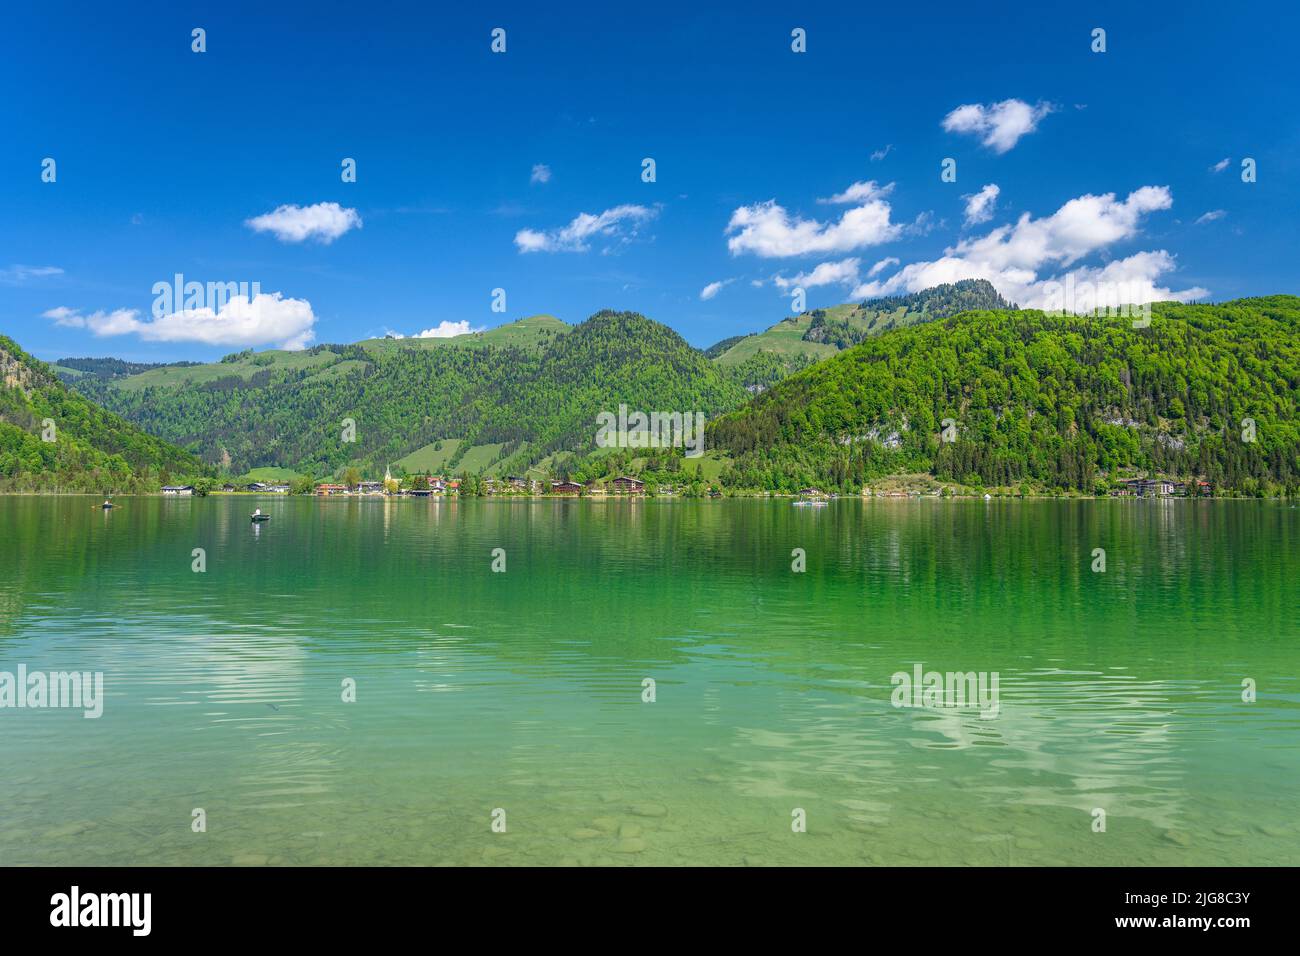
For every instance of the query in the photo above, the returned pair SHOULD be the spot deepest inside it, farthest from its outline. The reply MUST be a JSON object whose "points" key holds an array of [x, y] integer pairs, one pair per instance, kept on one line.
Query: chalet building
{"points": [[329, 489], [1191, 489], [1146, 488], [263, 487], [811, 493], [183, 490], [370, 487], [565, 488], [627, 485], [518, 482], [227, 487]]}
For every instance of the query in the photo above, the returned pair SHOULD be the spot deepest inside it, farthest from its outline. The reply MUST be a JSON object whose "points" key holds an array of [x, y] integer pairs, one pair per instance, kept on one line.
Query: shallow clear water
{"points": [[522, 690]]}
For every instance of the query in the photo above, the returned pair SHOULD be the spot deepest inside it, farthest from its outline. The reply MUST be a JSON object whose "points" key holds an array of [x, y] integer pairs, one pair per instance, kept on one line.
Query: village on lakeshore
{"points": [[353, 485], [433, 486]]}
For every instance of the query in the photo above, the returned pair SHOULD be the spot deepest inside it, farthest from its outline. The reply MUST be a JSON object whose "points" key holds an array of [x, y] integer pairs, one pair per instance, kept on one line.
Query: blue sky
{"points": [[769, 163]]}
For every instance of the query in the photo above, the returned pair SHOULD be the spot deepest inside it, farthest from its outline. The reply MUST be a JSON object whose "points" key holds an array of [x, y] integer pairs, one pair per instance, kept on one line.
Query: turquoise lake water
{"points": [[478, 691]]}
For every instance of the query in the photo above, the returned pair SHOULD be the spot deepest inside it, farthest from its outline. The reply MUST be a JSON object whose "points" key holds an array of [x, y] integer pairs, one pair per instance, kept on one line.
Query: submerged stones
{"points": [[619, 836], [68, 830]]}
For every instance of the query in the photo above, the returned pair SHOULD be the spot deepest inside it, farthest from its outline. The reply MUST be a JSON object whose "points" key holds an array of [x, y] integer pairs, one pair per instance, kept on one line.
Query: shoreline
{"points": [[761, 496]]}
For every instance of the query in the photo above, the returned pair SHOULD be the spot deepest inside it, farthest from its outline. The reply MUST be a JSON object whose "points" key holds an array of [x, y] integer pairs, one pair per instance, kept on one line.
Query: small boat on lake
{"points": [[106, 505], [257, 516]]}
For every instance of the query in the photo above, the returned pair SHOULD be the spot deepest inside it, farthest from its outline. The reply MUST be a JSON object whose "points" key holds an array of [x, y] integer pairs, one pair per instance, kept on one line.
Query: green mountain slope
{"points": [[93, 449], [1052, 401], [106, 368], [325, 361], [613, 358], [535, 331], [717, 348], [794, 343], [785, 339], [529, 390]]}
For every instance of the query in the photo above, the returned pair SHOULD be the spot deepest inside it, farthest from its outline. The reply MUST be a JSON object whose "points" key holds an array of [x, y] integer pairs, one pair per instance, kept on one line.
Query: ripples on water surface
{"points": [[522, 690]]}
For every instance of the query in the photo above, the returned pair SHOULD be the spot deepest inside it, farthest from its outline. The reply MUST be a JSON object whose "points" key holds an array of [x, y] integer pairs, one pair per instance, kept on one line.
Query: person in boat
{"points": [[257, 512], [107, 503]]}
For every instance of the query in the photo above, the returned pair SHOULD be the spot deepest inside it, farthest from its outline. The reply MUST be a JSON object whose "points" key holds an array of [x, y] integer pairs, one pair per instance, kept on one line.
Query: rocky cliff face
{"points": [[16, 373]]}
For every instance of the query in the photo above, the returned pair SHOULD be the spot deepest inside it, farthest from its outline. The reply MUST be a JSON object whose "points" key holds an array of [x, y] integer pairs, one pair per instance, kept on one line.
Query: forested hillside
{"points": [[794, 343], [717, 348], [846, 326], [613, 358], [92, 449], [1057, 402], [108, 368], [1036, 401], [533, 398], [945, 300]]}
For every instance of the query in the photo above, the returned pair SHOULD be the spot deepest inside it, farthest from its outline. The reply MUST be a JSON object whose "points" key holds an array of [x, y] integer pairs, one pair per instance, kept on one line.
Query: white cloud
{"points": [[265, 320], [1210, 216], [923, 224], [1000, 125], [860, 192], [620, 222], [1081, 226], [324, 222], [882, 265], [446, 330], [768, 230], [843, 272], [62, 315], [17, 275], [880, 154], [980, 206], [1221, 165], [1019, 260], [541, 174], [443, 330], [713, 288]]}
